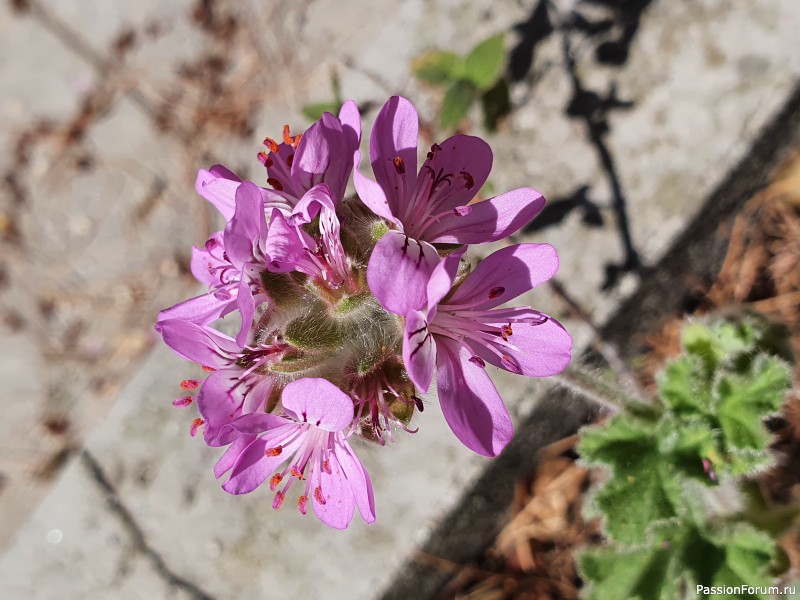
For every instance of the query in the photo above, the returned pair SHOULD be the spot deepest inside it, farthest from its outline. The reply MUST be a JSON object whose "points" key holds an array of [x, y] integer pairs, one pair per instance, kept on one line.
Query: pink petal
{"points": [[218, 186], [229, 458], [467, 160], [203, 309], [247, 308], [399, 270], [442, 279], [371, 194], [319, 402], [488, 221], [505, 274], [537, 350], [351, 124], [255, 423], [334, 489], [471, 405], [393, 151], [243, 231], [357, 478], [419, 350], [283, 247], [219, 402], [202, 345]]}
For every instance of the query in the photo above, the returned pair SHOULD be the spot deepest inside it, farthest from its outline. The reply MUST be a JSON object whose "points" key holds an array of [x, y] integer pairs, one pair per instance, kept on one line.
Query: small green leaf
{"points": [[484, 65], [456, 104], [744, 402], [496, 104], [314, 111], [684, 387], [438, 67]]}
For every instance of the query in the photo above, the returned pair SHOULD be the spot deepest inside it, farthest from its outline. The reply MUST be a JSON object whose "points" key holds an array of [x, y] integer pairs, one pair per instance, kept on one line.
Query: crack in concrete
{"points": [[136, 532]]}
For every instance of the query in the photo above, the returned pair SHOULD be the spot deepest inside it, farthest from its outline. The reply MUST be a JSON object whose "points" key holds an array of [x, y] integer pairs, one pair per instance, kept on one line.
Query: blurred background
{"points": [[626, 114]]}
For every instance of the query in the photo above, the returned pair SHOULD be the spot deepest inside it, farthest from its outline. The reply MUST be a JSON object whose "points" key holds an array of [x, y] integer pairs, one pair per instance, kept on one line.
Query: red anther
{"points": [[326, 466], [434, 149], [210, 244], [279, 496], [264, 159], [399, 165], [318, 495], [296, 472], [208, 369], [477, 360], [462, 211], [271, 144], [275, 183], [302, 501], [496, 292], [195, 426], [287, 139], [506, 331], [275, 481], [190, 384], [276, 451], [296, 140], [182, 402], [469, 182], [289, 160], [418, 402]]}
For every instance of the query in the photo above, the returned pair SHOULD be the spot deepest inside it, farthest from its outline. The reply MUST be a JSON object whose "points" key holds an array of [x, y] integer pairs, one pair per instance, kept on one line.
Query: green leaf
{"points": [[496, 104], [744, 402], [643, 488], [456, 104], [437, 67], [678, 558], [314, 111], [685, 388], [484, 65]]}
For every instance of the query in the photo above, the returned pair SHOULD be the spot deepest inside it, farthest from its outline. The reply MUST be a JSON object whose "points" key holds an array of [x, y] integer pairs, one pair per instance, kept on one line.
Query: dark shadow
{"points": [[532, 32], [626, 18], [559, 209]]}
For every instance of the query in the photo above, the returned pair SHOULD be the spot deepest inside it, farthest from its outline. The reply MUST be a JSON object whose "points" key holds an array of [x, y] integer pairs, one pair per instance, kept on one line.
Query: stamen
{"points": [[182, 402], [297, 140], [418, 402], [189, 384], [469, 182], [302, 501], [434, 150], [208, 369], [399, 165], [271, 144], [510, 364], [275, 481], [275, 183], [318, 495], [296, 472], [264, 159], [326, 466], [462, 211], [279, 496], [210, 244], [477, 360], [506, 331], [276, 451], [195, 426], [496, 292], [287, 139]]}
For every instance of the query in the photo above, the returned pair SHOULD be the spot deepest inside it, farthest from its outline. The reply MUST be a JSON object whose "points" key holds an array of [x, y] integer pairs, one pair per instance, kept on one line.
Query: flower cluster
{"points": [[349, 305]]}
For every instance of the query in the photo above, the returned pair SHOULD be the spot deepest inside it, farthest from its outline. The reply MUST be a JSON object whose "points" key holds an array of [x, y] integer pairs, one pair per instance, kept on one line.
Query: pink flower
{"points": [[430, 207], [218, 185], [230, 264], [460, 335], [310, 444], [323, 154], [291, 247], [235, 387]]}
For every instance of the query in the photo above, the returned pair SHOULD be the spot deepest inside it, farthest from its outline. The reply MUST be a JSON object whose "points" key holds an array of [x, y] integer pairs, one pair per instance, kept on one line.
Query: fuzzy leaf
{"points": [[456, 104], [643, 488], [438, 67], [676, 559], [484, 64], [744, 402], [684, 387]]}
